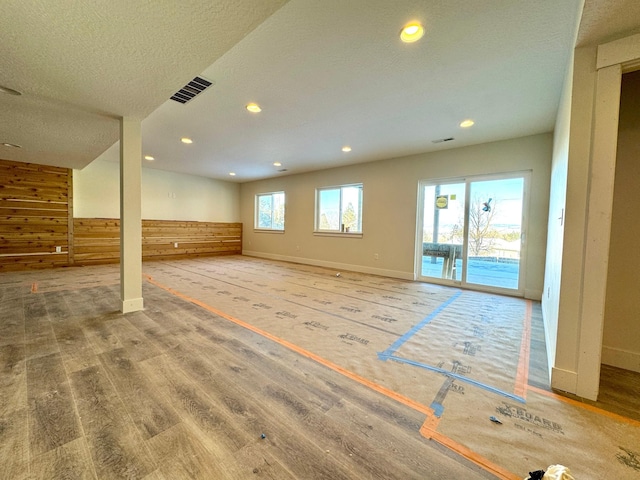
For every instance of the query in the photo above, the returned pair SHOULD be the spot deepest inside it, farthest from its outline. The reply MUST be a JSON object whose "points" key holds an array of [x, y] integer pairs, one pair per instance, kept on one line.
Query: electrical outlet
{"points": [[58, 249], [376, 256], [298, 247], [175, 245]]}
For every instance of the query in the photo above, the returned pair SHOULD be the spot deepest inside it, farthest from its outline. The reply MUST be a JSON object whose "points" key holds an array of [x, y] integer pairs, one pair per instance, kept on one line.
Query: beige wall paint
{"points": [[390, 208], [621, 342], [165, 195]]}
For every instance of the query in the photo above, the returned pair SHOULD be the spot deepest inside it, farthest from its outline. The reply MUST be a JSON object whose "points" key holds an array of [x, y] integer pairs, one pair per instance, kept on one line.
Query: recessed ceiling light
{"points": [[186, 140], [232, 174], [467, 123], [10, 91], [412, 32], [346, 148], [149, 157], [277, 164], [11, 145], [254, 108]]}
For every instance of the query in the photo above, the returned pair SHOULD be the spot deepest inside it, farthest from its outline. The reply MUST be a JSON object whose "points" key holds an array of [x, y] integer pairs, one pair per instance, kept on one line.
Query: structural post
{"points": [[130, 215]]}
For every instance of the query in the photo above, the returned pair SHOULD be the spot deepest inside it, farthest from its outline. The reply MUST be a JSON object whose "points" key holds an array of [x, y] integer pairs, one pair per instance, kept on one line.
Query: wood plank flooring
{"points": [[175, 392]]}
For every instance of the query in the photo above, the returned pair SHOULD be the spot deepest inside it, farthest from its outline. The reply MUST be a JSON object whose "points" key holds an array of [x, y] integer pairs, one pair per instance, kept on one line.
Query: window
{"points": [[339, 209], [270, 211]]}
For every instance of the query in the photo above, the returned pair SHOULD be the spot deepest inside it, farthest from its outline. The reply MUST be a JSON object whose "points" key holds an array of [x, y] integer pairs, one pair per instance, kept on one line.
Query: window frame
{"points": [[318, 214], [256, 219]]}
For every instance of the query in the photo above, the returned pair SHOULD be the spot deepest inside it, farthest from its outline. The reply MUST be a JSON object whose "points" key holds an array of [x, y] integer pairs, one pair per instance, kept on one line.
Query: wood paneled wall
{"points": [[97, 240], [36, 220], [35, 208]]}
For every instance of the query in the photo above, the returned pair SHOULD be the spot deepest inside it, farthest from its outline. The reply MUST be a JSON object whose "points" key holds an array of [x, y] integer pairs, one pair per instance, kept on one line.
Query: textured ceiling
{"points": [[327, 73], [606, 20], [332, 73], [82, 64]]}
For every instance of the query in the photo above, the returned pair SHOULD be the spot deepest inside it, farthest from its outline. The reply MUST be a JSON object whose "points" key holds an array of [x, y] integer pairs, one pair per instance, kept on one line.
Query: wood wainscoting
{"points": [[97, 240], [37, 228], [35, 208]]}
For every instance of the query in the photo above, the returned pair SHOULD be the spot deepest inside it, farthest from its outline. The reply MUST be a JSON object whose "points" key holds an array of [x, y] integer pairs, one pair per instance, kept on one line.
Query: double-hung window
{"points": [[270, 211], [339, 209]]}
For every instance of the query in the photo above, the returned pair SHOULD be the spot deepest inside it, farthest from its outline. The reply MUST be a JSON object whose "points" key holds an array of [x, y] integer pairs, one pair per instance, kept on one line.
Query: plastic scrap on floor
{"points": [[554, 472], [263, 436], [495, 420], [558, 472]]}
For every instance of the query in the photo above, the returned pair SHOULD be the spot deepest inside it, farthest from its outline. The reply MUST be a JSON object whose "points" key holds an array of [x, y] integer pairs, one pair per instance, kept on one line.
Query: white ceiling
{"points": [[326, 72]]}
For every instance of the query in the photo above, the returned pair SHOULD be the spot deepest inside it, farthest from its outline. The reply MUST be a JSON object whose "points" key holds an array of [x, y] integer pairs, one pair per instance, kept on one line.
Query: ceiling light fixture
{"points": [[467, 123], [412, 32], [186, 140], [254, 108], [11, 145], [232, 174], [149, 157], [10, 91], [346, 148], [277, 164]]}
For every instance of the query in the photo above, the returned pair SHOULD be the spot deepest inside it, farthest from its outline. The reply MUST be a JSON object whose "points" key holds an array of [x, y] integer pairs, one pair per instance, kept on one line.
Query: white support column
{"points": [[130, 215]]}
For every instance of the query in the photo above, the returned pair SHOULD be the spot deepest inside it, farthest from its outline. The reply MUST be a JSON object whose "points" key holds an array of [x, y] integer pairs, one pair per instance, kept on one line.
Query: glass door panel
{"points": [[443, 231], [494, 235]]}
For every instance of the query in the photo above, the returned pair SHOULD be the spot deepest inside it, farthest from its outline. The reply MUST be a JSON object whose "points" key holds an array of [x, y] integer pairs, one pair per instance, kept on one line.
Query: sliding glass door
{"points": [[471, 233], [442, 231]]}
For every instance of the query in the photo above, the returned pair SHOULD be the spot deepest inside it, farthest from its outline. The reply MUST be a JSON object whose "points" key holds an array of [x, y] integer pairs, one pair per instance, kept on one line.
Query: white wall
{"points": [[555, 228], [165, 195], [390, 208], [621, 340]]}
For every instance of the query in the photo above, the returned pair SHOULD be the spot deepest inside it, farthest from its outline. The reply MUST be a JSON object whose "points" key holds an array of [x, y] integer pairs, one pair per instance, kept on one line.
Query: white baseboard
{"points": [[132, 305], [564, 380], [533, 294], [616, 357], [338, 266]]}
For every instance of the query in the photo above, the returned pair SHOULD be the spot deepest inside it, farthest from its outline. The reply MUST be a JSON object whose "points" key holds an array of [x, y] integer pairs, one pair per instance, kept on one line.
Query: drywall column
{"points": [[596, 261], [130, 215]]}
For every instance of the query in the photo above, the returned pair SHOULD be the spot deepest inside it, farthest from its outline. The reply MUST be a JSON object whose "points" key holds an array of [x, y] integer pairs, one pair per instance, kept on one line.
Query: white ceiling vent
{"points": [[191, 90], [440, 140]]}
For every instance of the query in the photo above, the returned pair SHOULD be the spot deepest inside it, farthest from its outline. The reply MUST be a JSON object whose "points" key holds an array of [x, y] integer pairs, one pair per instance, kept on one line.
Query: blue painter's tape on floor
{"points": [[398, 343], [438, 409], [457, 376]]}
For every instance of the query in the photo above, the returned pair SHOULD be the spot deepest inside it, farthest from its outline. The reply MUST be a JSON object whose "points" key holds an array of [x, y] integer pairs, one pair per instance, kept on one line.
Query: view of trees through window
{"points": [[270, 211], [340, 208]]}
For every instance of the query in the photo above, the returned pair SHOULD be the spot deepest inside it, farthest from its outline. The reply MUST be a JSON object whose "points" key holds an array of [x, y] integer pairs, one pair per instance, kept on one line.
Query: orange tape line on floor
{"points": [[353, 376], [472, 456], [586, 406], [428, 429], [522, 375]]}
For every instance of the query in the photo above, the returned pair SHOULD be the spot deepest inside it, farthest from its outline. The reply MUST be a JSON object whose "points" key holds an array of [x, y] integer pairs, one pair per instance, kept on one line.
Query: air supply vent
{"points": [[443, 140], [191, 90]]}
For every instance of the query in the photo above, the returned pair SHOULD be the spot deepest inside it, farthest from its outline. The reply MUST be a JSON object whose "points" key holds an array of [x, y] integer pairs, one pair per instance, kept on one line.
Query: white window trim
{"points": [[256, 215], [335, 233]]}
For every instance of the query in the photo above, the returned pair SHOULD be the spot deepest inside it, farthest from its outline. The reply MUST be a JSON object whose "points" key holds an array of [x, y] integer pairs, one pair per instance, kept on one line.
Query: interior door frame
{"points": [[612, 60], [467, 180]]}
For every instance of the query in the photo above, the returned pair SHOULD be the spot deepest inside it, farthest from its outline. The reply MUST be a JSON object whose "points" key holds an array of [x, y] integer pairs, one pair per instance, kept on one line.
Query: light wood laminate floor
{"points": [[175, 392]]}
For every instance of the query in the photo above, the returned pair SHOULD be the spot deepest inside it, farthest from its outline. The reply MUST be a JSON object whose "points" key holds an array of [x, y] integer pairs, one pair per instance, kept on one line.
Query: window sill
{"points": [[264, 230], [338, 234]]}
